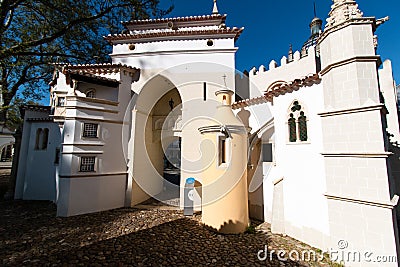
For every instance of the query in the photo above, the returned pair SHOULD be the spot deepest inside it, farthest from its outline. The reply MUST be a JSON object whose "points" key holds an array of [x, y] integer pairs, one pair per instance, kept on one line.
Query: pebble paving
{"points": [[32, 235]]}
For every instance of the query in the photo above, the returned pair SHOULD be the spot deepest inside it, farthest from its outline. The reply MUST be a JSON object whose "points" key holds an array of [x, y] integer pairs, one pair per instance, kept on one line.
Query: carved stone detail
{"points": [[343, 10]]}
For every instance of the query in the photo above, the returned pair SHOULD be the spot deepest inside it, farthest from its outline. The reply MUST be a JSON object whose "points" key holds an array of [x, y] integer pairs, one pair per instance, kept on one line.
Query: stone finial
{"points": [[215, 9], [290, 53], [341, 11]]}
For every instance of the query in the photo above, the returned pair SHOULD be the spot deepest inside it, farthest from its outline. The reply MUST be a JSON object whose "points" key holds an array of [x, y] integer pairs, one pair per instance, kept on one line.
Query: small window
{"points": [[90, 130], [267, 153], [41, 139], [210, 42], [292, 128], [91, 94], [297, 123], [302, 127], [37, 140], [205, 91], [223, 153], [87, 164], [61, 101], [45, 138], [57, 156]]}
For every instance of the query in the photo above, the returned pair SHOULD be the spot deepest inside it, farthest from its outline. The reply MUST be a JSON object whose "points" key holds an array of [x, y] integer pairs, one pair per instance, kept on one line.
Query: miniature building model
{"points": [[313, 148]]}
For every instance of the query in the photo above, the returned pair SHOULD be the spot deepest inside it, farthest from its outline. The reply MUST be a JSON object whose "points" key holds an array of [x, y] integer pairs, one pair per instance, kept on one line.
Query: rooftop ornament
{"points": [[215, 9]]}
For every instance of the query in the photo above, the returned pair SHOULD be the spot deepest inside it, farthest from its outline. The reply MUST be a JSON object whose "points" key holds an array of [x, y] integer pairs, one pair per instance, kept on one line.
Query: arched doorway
{"points": [[164, 116], [155, 145]]}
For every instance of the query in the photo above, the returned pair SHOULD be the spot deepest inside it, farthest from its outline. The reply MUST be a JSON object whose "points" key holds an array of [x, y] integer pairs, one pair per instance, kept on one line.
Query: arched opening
{"points": [[155, 161], [91, 93], [297, 123], [7, 153]]}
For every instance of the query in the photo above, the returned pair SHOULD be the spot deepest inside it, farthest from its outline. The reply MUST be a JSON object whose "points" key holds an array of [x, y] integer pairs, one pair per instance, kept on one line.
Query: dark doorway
{"points": [[172, 162]]}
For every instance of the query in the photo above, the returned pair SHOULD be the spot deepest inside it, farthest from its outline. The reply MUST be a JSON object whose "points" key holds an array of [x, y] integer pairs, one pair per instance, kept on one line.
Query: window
{"points": [[302, 126], [292, 128], [223, 150], [90, 130], [61, 101], [205, 91], [267, 155], [45, 138], [57, 156], [297, 123], [38, 134], [91, 93], [42, 138], [87, 164]]}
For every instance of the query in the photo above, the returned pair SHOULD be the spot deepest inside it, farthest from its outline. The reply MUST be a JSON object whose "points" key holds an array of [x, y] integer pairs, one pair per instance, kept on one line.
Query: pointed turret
{"points": [[215, 9]]}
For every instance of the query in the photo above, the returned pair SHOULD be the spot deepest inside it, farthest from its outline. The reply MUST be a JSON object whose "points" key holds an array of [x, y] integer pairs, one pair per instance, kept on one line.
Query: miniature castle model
{"points": [[313, 148]]}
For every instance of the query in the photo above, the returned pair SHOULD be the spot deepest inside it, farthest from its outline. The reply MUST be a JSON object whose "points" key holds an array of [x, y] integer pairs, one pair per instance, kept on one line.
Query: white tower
{"points": [[360, 191]]}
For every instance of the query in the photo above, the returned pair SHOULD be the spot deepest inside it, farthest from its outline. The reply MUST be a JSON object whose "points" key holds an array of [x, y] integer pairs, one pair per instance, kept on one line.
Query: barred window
{"points": [[61, 101], [87, 164], [90, 130], [292, 128], [303, 127]]}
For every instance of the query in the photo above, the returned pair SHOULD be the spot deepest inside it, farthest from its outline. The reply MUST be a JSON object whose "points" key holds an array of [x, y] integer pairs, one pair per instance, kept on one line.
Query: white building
{"points": [[323, 129]]}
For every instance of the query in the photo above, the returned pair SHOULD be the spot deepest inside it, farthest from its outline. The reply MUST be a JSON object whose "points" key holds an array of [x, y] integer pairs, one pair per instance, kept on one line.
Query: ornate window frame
{"points": [[297, 123]]}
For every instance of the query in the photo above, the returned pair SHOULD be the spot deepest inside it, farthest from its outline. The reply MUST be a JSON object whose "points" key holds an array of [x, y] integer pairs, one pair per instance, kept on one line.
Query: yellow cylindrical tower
{"points": [[225, 197]]}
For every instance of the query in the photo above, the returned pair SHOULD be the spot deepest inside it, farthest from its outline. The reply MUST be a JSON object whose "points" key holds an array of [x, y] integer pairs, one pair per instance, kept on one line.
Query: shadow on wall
{"points": [[394, 160]]}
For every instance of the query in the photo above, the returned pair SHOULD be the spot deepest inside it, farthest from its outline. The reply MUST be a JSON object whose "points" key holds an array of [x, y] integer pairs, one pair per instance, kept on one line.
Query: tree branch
{"points": [[14, 49], [46, 54]]}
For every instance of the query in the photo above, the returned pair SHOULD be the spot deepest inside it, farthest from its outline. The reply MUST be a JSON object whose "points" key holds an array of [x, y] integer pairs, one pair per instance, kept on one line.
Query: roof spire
{"points": [[315, 9], [215, 9]]}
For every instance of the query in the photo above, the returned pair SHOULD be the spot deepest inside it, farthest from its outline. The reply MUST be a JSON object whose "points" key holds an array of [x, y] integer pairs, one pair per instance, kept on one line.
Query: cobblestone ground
{"points": [[32, 235]]}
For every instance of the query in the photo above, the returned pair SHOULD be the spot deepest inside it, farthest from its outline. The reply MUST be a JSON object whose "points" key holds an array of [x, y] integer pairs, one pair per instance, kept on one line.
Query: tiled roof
{"points": [[104, 68], [37, 108], [40, 119], [228, 32], [279, 89], [177, 19], [88, 77]]}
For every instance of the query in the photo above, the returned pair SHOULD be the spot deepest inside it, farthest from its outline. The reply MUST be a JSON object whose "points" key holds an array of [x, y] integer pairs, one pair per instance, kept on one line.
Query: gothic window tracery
{"points": [[297, 123]]}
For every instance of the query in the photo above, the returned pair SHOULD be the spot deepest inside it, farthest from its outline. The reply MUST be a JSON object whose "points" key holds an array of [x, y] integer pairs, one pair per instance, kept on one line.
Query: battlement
{"points": [[288, 70]]}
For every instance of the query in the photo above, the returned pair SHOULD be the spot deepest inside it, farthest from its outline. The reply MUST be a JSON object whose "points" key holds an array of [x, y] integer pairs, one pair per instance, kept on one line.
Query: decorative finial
{"points": [[215, 9], [224, 77], [290, 53]]}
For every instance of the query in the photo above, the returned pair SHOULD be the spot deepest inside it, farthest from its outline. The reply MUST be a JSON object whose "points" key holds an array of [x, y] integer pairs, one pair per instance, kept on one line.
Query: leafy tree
{"points": [[36, 33]]}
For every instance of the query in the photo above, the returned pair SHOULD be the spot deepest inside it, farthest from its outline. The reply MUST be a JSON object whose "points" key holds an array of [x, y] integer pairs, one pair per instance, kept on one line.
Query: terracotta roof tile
{"points": [[279, 89], [103, 68], [176, 19], [180, 33]]}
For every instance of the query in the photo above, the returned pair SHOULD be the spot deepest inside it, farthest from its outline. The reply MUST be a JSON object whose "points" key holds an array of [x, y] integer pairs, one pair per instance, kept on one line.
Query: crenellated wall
{"points": [[262, 78]]}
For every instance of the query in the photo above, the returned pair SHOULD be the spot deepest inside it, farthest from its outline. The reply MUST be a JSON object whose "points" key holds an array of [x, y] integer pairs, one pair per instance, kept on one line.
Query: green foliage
{"points": [[36, 33], [250, 229]]}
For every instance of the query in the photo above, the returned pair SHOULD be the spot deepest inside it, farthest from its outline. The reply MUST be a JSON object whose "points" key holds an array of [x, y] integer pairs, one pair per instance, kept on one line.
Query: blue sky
{"points": [[270, 26]]}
